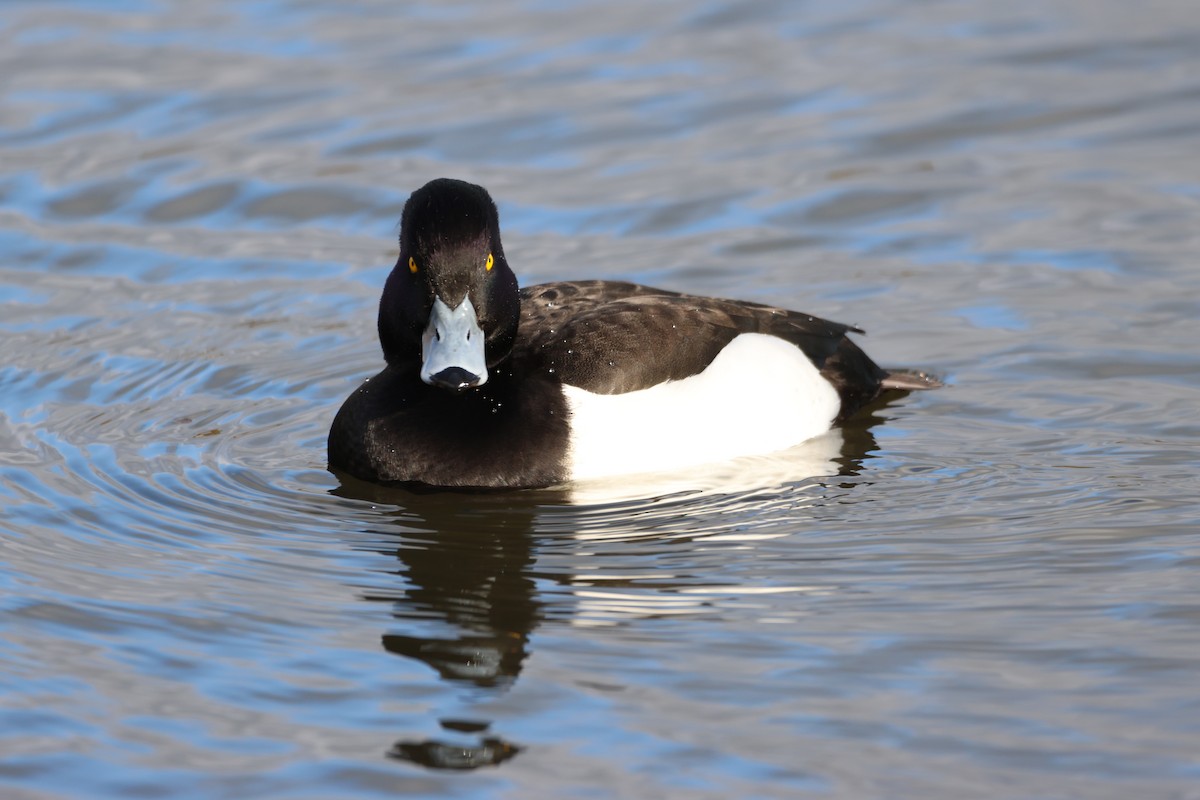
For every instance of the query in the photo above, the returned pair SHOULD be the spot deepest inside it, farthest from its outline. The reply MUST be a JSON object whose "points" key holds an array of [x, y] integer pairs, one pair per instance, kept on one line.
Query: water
{"points": [[983, 591]]}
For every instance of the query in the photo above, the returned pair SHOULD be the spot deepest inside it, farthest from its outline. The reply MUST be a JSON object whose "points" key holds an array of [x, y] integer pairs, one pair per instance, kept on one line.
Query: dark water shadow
{"points": [[858, 441], [467, 562]]}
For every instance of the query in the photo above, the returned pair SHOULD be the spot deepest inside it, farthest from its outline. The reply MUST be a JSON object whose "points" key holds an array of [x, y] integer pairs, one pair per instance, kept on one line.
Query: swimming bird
{"points": [[488, 385]]}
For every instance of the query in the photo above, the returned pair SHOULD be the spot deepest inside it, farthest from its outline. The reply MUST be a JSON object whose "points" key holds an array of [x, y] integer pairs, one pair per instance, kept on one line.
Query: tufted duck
{"points": [[490, 386]]}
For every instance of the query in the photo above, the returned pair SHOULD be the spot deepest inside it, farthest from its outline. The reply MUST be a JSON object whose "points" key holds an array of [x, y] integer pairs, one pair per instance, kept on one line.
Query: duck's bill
{"points": [[452, 352]]}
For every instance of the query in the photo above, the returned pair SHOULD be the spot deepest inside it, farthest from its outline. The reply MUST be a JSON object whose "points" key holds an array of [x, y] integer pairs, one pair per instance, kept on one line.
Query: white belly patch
{"points": [[759, 395]]}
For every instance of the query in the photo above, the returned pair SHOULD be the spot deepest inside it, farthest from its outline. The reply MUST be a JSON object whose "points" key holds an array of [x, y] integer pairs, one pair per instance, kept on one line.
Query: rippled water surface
{"points": [[989, 590]]}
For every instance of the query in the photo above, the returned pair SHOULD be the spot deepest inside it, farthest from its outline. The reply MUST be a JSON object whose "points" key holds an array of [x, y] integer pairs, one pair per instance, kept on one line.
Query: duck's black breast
{"points": [[511, 432], [610, 337]]}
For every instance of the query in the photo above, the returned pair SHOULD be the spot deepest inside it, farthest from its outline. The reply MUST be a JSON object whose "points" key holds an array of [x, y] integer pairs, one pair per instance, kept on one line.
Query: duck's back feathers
{"points": [[610, 337]]}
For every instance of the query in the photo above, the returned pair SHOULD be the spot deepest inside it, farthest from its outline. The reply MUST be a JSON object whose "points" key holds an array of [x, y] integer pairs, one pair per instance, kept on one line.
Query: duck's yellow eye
{"points": [[412, 265], [490, 262]]}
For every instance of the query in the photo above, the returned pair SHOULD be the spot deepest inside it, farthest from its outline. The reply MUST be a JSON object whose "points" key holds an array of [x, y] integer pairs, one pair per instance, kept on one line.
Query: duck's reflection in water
{"points": [[469, 605]]}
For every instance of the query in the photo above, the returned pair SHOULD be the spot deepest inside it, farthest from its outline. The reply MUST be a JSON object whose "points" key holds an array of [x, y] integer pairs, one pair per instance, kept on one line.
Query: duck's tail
{"points": [[910, 380]]}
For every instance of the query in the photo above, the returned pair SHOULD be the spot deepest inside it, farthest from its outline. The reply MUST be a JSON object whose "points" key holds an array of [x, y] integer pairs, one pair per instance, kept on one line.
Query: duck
{"points": [[487, 385]]}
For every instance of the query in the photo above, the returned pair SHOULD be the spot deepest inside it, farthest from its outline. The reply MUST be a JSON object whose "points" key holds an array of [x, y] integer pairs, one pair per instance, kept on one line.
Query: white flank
{"points": [[759, 395]]}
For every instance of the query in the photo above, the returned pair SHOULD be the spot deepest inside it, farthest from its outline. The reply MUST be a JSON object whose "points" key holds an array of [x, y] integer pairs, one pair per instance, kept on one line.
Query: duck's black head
{"points": [[450, 304]]}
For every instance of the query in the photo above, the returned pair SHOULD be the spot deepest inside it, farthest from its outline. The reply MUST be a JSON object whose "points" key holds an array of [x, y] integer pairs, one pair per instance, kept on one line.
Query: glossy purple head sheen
{"points": [[450, 251]]}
